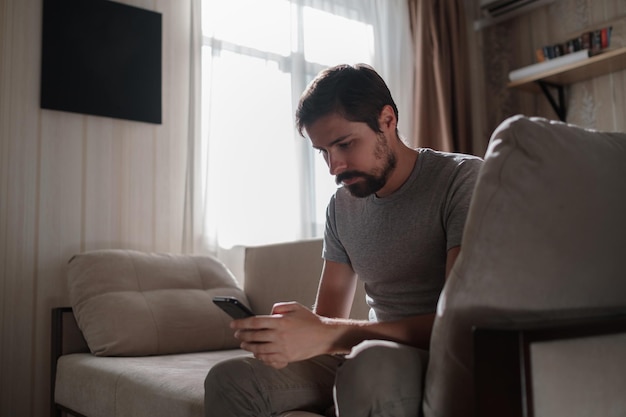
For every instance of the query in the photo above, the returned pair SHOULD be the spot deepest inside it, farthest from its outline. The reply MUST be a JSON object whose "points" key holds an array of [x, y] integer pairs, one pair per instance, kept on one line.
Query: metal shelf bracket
{"points": [[559, 107]]}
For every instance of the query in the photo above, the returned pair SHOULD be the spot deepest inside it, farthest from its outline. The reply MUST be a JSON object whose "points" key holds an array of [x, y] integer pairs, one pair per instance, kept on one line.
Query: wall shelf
{"points": [[611, 60]]}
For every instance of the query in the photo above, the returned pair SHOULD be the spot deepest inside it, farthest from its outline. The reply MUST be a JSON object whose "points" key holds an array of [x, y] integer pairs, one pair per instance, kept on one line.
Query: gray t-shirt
{"points": [[398, 244]]}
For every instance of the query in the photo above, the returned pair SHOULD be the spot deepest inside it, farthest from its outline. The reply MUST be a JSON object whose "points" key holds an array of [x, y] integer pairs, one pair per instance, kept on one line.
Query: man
{"points": [[396, 224]]}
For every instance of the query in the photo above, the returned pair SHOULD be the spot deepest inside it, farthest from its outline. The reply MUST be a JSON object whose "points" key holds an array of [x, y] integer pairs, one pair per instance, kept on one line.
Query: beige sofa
{"points": [[531, 320], [153, 331]]}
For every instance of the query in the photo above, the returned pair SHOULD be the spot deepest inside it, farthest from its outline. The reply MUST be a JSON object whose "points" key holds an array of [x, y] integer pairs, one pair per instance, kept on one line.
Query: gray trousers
{"points": [[377, 379]]}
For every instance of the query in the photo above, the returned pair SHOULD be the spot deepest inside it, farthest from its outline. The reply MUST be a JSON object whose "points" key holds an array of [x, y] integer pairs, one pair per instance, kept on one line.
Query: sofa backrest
{"points": [[288, 272]]}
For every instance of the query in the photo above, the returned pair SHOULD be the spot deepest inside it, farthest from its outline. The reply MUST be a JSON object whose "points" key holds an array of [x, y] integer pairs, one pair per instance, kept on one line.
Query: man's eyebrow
{"points": [[334, 142]]}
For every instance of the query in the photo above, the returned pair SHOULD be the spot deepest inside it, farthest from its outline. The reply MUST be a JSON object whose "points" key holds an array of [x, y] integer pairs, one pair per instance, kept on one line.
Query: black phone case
{"points": [[233, 307]]}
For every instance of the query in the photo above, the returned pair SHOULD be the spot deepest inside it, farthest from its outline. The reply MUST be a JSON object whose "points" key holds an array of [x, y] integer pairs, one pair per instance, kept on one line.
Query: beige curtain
{"points": [[442, 113]]}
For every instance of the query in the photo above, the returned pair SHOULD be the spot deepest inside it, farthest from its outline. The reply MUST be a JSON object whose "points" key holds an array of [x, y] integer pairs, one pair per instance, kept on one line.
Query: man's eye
{"points": [[345, 145]]}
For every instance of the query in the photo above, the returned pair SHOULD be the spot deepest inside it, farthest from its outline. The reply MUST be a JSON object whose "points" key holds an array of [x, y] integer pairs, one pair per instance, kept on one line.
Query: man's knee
{"points": [[226, 374], [230, 387], [379, 372], [383, 362]]}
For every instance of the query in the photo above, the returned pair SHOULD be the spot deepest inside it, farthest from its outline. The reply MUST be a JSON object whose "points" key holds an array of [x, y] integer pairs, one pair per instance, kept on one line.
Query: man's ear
{"points": [[387, 119]]}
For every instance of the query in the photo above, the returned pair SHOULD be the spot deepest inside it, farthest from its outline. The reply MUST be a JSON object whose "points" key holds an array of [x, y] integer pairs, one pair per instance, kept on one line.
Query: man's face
{"points": [[358, 157]]}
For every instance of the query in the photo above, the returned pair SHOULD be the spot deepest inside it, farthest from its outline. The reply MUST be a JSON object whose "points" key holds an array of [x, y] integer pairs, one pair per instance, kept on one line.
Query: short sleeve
{"points": [[458, 200], [333, 249]]}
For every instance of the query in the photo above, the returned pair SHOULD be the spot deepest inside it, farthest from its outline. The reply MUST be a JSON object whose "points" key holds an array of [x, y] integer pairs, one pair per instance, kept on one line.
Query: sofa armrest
{"points": [[66, 338], [505, 384]]}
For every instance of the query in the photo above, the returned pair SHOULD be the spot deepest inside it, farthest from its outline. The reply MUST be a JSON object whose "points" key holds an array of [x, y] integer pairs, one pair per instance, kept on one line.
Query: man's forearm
{"points": [[413, 331]]}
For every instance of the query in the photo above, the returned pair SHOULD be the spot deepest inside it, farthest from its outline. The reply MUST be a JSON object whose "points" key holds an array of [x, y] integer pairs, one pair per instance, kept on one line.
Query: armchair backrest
{"points": [[545, 237]]}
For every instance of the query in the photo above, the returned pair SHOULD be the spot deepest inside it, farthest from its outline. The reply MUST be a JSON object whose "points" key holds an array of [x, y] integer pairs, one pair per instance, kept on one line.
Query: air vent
{"points": [[496, 11]]}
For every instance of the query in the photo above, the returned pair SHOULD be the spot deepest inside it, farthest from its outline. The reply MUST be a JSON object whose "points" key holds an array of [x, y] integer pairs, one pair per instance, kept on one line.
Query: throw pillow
{"points": [[130, 303]]}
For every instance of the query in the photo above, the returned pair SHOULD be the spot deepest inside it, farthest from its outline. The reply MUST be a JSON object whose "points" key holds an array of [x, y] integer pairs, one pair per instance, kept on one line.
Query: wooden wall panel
{"points": [[102, 172], [71, 182], [618, 100], [59, 230], [597, 103], [20, 196]]}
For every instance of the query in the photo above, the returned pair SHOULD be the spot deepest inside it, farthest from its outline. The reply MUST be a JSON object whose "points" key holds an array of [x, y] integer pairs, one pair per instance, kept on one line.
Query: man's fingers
{"points": [[285, 307], [256, 323], [261, 348], [273, 360], [255, 336]]}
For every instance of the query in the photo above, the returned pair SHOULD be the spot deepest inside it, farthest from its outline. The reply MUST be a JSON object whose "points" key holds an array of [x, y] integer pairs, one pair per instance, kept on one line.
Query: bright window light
{"points": [[352, 41], [254, 24], [264, 182]]}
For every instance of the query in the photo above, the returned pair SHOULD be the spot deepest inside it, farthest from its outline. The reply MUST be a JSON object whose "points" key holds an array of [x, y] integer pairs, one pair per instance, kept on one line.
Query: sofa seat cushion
{"points": [[152, 386], [130, 303], [544, 238]]}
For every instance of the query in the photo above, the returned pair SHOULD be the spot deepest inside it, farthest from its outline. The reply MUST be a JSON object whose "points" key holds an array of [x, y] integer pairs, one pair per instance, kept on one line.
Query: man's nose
{"points": [[336, 164]]}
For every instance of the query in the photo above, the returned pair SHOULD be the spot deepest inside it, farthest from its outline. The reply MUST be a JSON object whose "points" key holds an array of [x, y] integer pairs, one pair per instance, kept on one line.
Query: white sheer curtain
{"points": [[254, 180], [194, 198]]}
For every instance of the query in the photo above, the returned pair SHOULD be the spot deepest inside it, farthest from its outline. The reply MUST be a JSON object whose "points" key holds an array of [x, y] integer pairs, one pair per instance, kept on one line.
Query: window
{"points": [[263, 182]]}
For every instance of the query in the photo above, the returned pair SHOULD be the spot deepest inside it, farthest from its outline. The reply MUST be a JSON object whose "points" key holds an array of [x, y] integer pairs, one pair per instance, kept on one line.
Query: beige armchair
{"points": [[542, 258]]}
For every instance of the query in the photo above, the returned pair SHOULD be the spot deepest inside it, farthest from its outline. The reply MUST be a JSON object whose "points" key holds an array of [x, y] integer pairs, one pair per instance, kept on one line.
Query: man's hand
{"points": [[294, 333], [291, 333]]}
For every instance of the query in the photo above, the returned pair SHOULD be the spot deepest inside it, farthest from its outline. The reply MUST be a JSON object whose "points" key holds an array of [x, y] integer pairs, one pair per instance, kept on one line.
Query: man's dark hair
{"points": [[355, 92]]}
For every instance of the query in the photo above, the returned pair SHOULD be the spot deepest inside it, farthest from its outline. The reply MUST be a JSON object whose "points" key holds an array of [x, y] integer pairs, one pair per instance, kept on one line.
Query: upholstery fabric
{"points": [[289, 272], [272, 276], [167, 385], [130, 303], [544, 238]]}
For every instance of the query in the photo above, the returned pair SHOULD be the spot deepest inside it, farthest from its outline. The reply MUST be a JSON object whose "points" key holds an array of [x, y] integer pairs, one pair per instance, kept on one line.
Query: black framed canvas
{"points": [[102, 58]]}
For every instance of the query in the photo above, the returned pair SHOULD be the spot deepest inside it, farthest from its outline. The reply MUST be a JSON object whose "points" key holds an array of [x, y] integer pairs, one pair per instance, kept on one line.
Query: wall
{"points": [[69, 183], [598, 103]]}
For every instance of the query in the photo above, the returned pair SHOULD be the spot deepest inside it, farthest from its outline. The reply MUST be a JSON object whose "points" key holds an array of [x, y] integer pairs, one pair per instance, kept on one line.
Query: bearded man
{"points": [[395, 224]]}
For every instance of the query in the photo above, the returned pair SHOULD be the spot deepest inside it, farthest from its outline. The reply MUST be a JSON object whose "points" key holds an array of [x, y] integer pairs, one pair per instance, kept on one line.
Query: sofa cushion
{"points": [[544, 238], [130, 303], [168, 385]]}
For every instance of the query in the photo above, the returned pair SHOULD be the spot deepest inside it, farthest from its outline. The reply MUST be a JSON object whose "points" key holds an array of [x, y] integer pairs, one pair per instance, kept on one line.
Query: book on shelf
{"points": [[595, 40], [553, 63], [573, 50]]}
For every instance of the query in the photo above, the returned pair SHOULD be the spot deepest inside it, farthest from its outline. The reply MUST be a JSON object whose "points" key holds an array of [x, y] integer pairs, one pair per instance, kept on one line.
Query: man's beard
{"points": [[376, 178]]}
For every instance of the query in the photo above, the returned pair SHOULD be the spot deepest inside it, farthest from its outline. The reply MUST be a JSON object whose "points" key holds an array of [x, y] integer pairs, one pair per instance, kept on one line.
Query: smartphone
{"points": [[233, 307]]}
